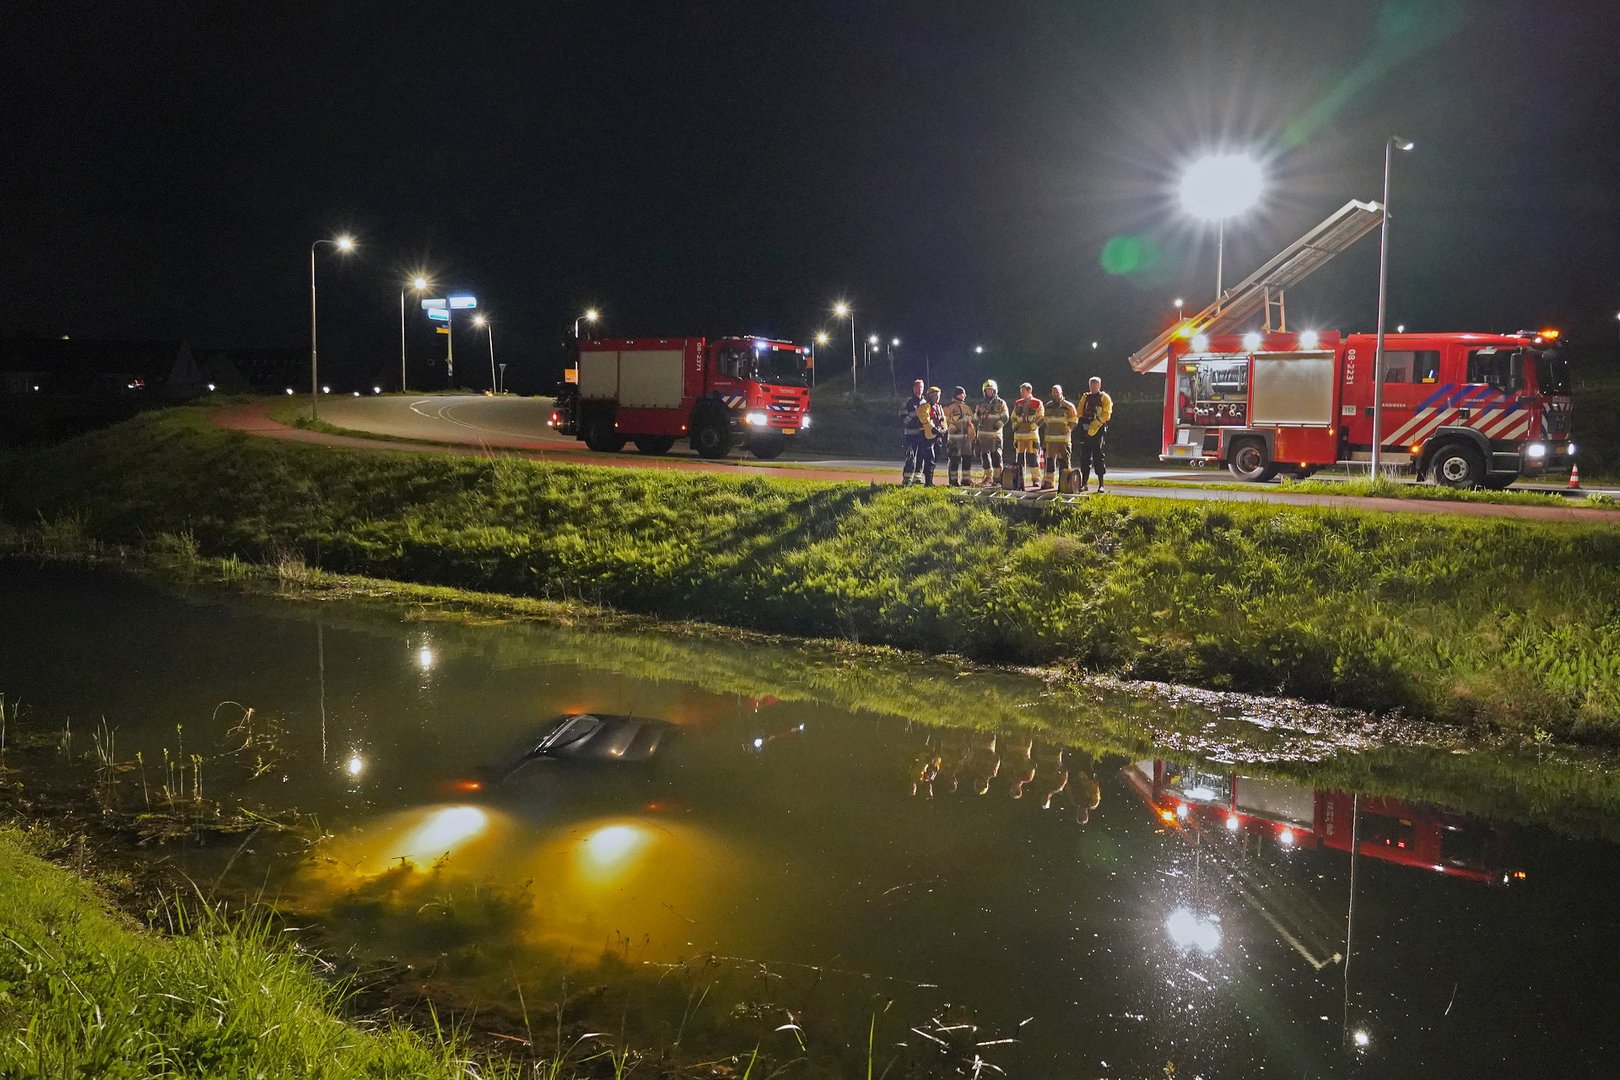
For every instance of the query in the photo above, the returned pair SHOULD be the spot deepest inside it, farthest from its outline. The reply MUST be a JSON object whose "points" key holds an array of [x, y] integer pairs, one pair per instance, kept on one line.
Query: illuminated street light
{"points": [[842, 310], [1392, 144], [345, 244], [1218, 187], [417, 284], [482, 322], [979, 349], [590, 316]]}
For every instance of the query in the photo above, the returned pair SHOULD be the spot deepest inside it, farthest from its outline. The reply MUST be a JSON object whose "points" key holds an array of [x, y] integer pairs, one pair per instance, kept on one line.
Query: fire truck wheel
{"points": [[766, 447], [711, 438], [601, 436], [1248, 462], [1458, 465], [654, 444]]}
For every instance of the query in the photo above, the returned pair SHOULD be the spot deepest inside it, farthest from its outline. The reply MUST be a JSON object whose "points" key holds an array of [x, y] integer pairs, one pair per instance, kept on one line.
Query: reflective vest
{"points": [[959, 420], [990, 416], [908, 416], [1095, 411], [1061, 418], [930, 420], [1026, 416]]}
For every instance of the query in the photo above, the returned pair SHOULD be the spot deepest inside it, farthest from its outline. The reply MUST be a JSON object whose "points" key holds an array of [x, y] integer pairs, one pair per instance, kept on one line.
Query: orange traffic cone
{"points": [[1574, 476]]}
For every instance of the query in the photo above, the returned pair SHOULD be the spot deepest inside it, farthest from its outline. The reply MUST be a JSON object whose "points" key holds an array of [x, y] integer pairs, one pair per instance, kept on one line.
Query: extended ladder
{"points": [[1264, 288]]}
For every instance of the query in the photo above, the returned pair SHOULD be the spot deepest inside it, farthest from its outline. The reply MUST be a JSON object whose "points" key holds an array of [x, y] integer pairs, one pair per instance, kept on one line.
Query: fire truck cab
{"points": [[721, 393], [1464, 410]]}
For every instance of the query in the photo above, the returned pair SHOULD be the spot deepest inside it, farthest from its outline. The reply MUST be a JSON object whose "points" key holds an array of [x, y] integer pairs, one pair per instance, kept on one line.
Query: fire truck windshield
{"points": [[1552, 373], [780, 367]]}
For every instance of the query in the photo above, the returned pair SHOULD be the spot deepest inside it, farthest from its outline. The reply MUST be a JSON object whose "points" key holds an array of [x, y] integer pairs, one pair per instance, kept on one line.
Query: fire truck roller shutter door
{"points": [[650, 378]]}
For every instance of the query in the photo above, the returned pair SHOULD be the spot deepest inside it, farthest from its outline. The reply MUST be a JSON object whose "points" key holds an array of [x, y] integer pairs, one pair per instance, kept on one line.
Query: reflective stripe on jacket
{"points": [[990, 416], [959, 420], [1061, 418]]}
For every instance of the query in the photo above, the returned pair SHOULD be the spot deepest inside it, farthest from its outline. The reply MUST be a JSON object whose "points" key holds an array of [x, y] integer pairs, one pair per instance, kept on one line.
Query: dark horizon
{"points": [[963, 176]]}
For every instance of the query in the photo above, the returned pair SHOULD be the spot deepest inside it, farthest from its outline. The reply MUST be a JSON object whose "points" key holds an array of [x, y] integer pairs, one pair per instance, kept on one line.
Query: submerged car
{"points": [[592, 738]]}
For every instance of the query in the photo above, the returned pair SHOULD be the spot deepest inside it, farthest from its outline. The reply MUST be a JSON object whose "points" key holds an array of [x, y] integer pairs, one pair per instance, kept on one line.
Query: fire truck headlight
{"points": [[757, 419], [1536, 450], [804, 422], [1570, 449]]}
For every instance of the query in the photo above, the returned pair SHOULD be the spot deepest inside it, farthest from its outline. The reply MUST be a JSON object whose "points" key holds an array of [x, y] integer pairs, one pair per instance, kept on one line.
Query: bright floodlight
{"points": [[345, 242], [1221, 186], [1251, 340], [1310, 339]]}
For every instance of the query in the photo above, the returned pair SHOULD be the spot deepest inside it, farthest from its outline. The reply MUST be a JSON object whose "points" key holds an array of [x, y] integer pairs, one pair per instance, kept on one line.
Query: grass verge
{"points": [[85, 992], [1508, 623]]}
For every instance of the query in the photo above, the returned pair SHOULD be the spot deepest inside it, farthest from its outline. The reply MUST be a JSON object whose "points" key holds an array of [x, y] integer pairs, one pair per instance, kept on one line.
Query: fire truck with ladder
{"points": [[1463, 409], [722, 393]]}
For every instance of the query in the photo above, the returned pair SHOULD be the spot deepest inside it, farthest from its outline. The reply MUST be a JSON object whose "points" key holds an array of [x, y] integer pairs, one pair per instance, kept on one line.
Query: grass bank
{"points": [[1506, 623], [86, 992]]}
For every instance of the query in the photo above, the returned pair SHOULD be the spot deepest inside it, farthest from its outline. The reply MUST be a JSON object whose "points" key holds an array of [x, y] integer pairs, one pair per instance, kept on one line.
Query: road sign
{"points": [[463, 303], [429, 305], [441, 329], [438, 314]]}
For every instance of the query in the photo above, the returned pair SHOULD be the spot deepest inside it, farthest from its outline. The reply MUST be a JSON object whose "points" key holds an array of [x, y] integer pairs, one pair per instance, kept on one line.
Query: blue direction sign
{"points": [[461, 303], [438, 314]]}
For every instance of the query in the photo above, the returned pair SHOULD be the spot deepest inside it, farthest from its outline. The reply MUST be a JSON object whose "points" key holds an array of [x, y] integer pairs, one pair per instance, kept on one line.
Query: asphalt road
{"points": [[476, 424]]}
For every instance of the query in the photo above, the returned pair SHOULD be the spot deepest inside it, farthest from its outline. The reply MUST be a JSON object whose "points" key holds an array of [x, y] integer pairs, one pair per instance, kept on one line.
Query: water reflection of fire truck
{"points": [[1410, 834]]}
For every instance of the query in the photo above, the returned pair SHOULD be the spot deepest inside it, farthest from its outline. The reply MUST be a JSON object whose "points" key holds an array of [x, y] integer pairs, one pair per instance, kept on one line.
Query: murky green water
{"points": [[806, 839]]}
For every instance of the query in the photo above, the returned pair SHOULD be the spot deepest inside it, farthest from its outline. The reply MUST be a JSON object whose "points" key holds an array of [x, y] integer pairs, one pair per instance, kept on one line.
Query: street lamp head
{"points": [[895, 343], [1179, 302], [841, 309], [821, 338], [873, 340], [978, 348], [1401, 144], [1220, 186], [480, 321], [419, 282], [345, 242]]}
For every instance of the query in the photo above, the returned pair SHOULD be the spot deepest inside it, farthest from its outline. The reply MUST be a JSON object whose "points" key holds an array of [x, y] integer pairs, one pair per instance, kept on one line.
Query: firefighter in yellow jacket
{"points": [[1061, 418], [960, 431], [1027, 415], [1096, 409], [989, 418]]}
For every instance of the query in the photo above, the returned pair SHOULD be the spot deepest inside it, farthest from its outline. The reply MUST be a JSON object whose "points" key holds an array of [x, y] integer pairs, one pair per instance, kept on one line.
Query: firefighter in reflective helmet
{"points": [[911, 433], [1061, 418], [959, 427], [989, 418], [1026, 425]]}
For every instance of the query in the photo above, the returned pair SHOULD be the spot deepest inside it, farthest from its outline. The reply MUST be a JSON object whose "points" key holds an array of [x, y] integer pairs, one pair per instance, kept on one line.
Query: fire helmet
{"points": [[990, 385]]}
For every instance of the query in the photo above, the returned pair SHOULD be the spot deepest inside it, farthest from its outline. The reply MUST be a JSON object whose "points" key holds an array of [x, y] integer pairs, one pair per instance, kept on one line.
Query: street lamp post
{"points": [[1394, 143], [843, 310], [894, 346], [483, 323], [1215, 188], [590, 316], [820, 341], [343, 243], [417, 284]]}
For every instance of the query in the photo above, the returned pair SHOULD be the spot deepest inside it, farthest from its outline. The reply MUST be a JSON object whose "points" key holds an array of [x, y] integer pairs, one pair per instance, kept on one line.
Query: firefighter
{"points": [[911, 434], [959, 426], [931, 421], [1061, 418], [1096, 409], [989, 418], [1027, 415]]}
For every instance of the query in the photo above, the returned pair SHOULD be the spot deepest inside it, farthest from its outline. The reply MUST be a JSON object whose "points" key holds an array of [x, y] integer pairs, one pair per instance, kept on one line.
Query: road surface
{"points": [[476, 424]]}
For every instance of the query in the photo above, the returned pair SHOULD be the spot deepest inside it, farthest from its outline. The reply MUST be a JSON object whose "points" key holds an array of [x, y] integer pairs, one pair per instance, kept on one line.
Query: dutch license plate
{"points": [[790, 431]]}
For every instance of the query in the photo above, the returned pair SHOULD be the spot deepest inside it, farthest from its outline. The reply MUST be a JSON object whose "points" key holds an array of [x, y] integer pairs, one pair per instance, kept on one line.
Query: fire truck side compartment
{"points": [[598, 374], [650, 378]]}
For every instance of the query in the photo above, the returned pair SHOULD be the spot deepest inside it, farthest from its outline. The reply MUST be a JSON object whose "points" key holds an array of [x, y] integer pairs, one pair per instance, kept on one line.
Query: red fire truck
{"points": [[721, 393], [1465, 410], [1410, 834]]}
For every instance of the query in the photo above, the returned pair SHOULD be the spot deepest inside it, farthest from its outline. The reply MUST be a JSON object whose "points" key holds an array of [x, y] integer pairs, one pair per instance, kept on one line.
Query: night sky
{"points": [[957, 171]]}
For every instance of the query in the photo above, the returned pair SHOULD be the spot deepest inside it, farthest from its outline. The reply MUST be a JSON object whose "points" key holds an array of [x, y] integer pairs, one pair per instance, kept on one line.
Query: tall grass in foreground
{"points": [[1502, 622], [85, 994]]}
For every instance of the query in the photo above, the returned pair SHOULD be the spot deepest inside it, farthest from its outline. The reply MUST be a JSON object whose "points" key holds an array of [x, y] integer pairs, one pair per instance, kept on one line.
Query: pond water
{"points": [[748, 836]]}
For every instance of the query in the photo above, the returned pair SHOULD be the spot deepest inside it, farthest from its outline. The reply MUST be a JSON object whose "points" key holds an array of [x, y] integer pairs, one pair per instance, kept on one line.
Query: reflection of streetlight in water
{"points": [[425, 658], [355, 765]]}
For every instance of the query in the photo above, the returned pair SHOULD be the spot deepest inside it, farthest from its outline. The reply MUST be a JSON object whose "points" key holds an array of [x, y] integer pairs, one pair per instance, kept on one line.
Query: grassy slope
{"points": [[85, 993], [1513, 623]]}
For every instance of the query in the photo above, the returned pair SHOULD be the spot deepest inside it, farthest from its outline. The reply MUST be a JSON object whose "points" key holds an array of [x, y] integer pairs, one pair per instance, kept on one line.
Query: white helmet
{"points": [[990, 385]]}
